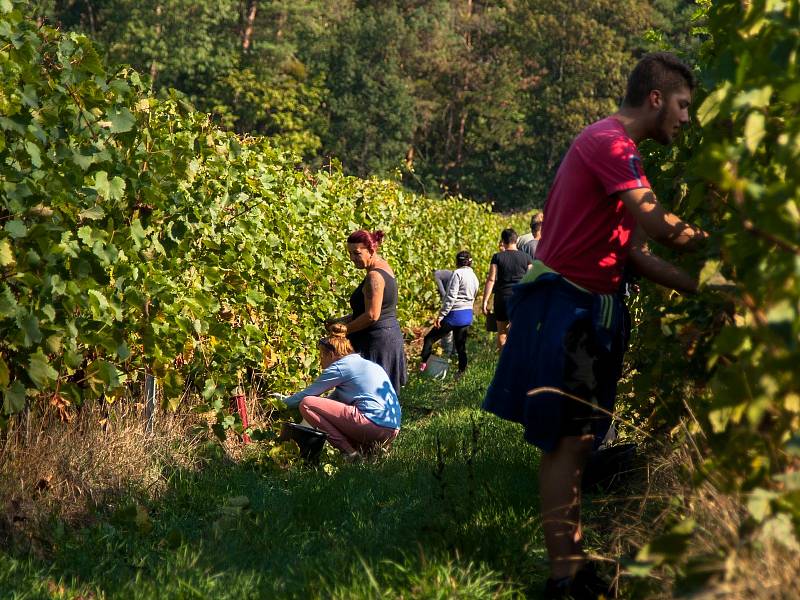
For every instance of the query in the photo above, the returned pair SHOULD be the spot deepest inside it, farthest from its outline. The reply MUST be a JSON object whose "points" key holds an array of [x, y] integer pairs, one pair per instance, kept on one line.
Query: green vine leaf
{"points": [[712, 105], [122, 120], [16, 229], [754, 131], [113, 189], [40, 371], [14, 398]]}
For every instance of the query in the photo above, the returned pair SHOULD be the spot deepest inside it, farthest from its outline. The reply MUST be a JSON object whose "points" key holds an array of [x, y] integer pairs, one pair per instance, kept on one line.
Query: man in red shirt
{"points": [[558, 372]]}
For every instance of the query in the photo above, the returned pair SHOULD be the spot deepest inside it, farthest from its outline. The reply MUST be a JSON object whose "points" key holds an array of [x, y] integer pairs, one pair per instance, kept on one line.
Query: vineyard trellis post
{"points": [[150, 394]]}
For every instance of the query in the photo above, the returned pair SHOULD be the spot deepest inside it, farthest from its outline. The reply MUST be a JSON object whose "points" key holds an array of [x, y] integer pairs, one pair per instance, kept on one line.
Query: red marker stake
{"points": [[240, 408]]}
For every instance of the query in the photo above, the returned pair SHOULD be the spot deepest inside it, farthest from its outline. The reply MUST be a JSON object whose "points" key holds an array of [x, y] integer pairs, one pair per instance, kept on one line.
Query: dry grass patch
{"points": [[64, 465], [755, 566], [53, 471]]}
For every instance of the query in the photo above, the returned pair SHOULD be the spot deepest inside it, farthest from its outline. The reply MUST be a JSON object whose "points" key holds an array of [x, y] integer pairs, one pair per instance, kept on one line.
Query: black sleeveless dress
{"points": [[381, 342]]}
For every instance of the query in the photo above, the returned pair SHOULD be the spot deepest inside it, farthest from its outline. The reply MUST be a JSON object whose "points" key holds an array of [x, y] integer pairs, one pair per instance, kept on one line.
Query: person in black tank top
{"points": [[372, 326], [505, 271]]}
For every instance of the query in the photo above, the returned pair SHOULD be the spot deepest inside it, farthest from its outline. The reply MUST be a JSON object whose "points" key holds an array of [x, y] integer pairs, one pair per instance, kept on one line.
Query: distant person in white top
{"points": [[456, 312], [528, 241], [442, 277]]}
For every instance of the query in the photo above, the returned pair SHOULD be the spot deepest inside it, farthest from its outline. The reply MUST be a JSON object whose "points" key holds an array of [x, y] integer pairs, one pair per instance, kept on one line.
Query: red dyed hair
{"points": [[370, 240]]}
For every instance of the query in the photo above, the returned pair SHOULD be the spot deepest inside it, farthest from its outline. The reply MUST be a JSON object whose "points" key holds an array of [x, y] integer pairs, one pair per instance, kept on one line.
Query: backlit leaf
{"points": [[756, 98], [8, 304], [754, 131], [711, 106], [6, 255]]}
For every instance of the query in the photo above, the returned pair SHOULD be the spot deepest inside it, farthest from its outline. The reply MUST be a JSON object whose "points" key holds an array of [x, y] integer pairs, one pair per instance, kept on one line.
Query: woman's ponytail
{"points": [[337, 342], [370, 240]]}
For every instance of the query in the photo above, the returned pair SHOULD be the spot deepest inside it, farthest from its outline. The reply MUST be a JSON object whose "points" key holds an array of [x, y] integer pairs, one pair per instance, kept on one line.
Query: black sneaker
{"points": [[556, 589], [585, 585]]}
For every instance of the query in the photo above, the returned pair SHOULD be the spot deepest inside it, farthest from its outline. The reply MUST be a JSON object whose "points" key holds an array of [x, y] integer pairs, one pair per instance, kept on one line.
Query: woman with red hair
{"points": [[372, 326]]}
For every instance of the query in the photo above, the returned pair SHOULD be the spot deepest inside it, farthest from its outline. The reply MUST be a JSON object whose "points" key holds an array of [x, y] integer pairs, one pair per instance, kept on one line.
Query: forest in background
{"points": [[448, 96]]}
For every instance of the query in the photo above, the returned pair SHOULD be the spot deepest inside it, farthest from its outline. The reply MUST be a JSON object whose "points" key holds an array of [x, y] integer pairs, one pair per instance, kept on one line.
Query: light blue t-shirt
{"points": [[358, 382]]}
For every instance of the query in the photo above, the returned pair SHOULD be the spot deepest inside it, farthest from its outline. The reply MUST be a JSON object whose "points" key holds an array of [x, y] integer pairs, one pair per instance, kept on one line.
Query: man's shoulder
{"points": [[524, 239], [604, 133], [605, 140], [606, 125], [529, 247]]}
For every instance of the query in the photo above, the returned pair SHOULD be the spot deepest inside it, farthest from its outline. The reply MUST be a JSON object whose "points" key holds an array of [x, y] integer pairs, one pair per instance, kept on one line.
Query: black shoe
{"points": [[589, 585], [585, 585], [556, 589]]}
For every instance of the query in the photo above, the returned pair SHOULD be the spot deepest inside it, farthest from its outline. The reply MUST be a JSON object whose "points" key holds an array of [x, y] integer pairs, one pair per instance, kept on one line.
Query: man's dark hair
{"points": [[509, 236], [463, 259], [657, 71], [536, 222]]}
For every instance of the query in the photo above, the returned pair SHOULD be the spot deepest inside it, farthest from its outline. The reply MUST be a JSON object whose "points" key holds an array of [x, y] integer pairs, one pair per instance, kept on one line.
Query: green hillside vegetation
{"points": [[140, 236], [462, 96]]}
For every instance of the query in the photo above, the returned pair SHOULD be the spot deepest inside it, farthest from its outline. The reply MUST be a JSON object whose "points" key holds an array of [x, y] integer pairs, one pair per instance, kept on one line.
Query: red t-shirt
{"points": [[587, 230]]}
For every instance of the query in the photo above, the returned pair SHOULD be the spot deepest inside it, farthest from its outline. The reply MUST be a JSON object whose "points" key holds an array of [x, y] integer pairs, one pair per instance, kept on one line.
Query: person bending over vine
{"points": [[363, 411], [456, 314]]}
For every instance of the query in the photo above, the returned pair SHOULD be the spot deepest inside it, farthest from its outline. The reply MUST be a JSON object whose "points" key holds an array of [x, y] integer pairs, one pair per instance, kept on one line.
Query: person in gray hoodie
{"points": [[456, 312]]}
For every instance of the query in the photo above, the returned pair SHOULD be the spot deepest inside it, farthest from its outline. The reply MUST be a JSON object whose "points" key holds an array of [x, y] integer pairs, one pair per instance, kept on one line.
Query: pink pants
{"points": [[346, 427]]}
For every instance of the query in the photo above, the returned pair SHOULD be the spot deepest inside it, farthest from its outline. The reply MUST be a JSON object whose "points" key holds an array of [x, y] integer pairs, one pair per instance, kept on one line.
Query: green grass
{"points": [[450, 512]]}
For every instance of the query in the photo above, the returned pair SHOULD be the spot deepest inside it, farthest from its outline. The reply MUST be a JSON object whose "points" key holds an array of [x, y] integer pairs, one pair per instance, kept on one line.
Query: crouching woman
{"points": [[362, 412]]}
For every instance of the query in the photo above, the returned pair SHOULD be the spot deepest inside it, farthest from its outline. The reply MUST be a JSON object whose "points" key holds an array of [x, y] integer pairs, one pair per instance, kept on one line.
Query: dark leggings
{"points": [[459, 339]]}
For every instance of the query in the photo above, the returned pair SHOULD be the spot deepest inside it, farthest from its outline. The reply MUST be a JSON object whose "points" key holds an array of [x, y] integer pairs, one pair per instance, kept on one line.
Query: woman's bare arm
{"points": [[373, 297], [489, 286]]}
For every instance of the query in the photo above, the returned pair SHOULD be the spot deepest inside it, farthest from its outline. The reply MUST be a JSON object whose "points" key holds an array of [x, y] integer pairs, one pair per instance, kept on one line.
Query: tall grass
{"points": [[451, 512]]}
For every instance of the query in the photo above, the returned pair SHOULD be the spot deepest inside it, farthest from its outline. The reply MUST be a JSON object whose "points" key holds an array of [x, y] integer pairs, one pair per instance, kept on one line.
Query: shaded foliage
{"points": [[727, 359]]}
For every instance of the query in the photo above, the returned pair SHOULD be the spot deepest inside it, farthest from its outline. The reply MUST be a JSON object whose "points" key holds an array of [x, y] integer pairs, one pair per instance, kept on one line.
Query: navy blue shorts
{"points": [[501, 307], [554, 343]]}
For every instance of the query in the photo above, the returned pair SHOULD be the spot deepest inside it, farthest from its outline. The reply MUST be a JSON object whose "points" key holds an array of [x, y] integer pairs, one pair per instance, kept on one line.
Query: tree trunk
{"points": [[461, 128], [154, 62], [92, 25], [465, 87], [281, 23], [247, 34]]}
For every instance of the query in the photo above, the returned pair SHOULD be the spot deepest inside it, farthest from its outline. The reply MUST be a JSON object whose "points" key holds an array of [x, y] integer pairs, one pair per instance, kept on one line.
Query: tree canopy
{"points": [[473, 97]]}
